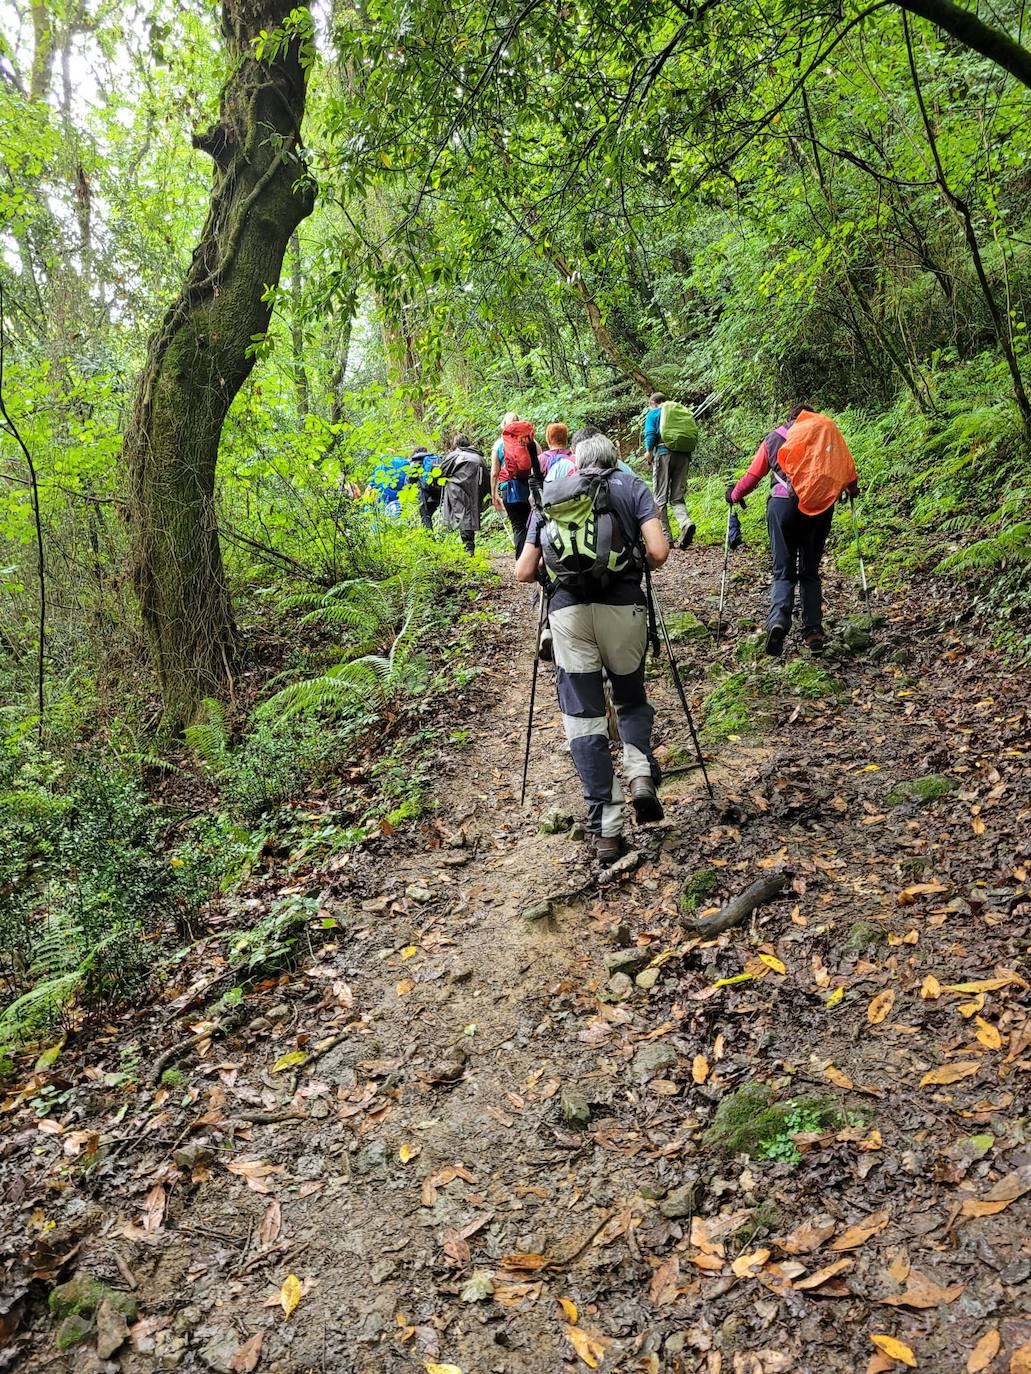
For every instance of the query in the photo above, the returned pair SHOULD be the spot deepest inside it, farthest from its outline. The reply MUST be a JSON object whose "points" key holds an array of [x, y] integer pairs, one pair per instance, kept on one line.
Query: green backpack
{"points": [[678, 428], [584, 545]]}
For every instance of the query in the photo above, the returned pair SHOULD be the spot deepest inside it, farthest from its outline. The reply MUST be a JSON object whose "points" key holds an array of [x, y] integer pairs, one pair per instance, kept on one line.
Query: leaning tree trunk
{"points": [[203, 352]]}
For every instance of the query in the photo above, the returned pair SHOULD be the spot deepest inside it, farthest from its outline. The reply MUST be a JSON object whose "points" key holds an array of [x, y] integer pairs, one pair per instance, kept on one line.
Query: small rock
{"points": [[855, 636], [186, 1319], [652, 1191], [555, 821], [371, 1158], [382, 1270], [479, 1287], [621, 937], [81, 1294], [540, 911], [650, 1059], [619, 986], [461, 974], [680, 1202], [73, 1329], [1016, 1272], [675, 1344], [686, 625], [578, 831], [188, 1157], [418, 893], [629, 961], [648, 977], [112, 1329], [218, 1353], [319, 1109], [280, 1012], [576, 1109]]}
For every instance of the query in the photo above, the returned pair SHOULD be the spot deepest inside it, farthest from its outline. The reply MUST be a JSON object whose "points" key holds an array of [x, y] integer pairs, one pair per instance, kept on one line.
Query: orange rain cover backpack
{"points": [[816, 461]]}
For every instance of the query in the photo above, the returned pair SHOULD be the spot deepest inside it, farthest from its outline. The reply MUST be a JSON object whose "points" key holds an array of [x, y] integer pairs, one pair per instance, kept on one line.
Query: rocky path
{"points": [[456, 1139]]}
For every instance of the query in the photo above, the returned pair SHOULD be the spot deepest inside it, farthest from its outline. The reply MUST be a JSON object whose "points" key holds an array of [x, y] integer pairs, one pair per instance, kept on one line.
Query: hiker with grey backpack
{"points": [[670, 438], [596, 531]]}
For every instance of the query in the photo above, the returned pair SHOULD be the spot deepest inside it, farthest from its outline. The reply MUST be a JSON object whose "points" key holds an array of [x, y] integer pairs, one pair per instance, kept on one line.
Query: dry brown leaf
{"points": [[930, 988], [700, 1068], [527, 1261], [665, 1283], [950, 1073], [1000, 1195], [432, 1182], [840, 1080], [922, 1292], [895, 1349], [880, 1006], [745, 1266], [271, 1223], [988, 1034], [822, 1275], [984, 1352], [712, 1264], [907, 894], [1020, 1361], [810, 1235], [591, 1349], [247, 1355], [153, 1209], [855, 1236], [255, 1172]]}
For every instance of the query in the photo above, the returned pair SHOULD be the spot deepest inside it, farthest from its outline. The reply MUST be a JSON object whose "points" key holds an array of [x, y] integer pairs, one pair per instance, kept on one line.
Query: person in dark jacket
{"points": [[466, 483], [427, 467], [797, 541]]}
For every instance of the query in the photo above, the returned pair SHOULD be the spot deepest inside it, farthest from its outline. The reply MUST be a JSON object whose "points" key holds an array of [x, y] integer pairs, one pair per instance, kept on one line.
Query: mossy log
{"points": [[739, 908]]}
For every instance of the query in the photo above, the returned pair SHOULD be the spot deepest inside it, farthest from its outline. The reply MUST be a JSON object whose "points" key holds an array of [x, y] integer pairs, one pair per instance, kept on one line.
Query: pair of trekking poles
{"points": [[656, 622], [726, 559]]}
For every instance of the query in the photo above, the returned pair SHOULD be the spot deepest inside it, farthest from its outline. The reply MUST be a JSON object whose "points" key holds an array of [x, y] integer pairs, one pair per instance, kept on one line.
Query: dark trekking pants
{"points": [[469, 540], [518, 513], [429, 500], [796, 545]]}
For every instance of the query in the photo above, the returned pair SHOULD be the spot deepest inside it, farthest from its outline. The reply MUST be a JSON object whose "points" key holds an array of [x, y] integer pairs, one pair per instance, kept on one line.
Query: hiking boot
{"points": [[815, 641], [608, 848], [686, 535], [647, 806], [775, 637]]}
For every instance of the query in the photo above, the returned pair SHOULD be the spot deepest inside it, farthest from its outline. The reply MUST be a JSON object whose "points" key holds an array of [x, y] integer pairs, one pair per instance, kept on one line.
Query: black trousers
{"points": [[429, 500], [797, 542], [518, 513]]}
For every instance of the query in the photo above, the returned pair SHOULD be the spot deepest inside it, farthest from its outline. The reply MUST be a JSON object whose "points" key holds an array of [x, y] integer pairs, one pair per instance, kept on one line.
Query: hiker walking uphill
{"points": [[431, 489], [810, 468], [670, 437], [466, 483], [512, 460], [597, 529]]}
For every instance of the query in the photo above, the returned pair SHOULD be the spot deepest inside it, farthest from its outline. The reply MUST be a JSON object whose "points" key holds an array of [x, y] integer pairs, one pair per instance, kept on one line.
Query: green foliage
{"points": [[920, 790], [701, 885], [729, 708], [269, 945], [753, 1120]]}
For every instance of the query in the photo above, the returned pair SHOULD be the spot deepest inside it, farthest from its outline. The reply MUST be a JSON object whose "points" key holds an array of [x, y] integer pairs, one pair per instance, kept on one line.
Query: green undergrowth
{"points": [[753, 1120], [742, 702], [700, 886], [920, 790]]}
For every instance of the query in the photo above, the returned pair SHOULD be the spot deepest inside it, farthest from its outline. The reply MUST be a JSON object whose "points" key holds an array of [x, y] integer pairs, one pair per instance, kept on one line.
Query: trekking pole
{"points": [[723, 579], [859, 554], [655, 611], [533, 691]]}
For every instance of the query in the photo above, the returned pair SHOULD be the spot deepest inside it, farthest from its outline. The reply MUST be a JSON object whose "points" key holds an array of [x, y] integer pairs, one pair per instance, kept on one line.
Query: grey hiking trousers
{"points": [[669, 478], [586, 640]]}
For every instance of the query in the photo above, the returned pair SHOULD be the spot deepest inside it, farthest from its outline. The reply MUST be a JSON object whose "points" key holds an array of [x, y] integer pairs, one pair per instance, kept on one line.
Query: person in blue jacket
{"points": [[669, 474], [387, 482]]}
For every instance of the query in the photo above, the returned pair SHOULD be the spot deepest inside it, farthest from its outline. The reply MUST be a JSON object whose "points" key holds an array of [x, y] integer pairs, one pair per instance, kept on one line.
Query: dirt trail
{"points": [[444, 1135]]}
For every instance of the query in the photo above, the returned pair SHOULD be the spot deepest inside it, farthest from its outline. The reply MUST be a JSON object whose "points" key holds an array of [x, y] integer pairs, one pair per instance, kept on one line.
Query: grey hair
{"points": [[596, 454]]}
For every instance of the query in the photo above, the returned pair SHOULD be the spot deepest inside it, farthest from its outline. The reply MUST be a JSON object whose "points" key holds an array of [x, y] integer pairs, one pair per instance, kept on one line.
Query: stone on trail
{"points": [[629, 961], [618, 987], [576, 1109], [686, 625], [112, 1329], [680, 1202], [650, 1059], [73, 1329], [648, 977], [418, 893], [556, 821]]}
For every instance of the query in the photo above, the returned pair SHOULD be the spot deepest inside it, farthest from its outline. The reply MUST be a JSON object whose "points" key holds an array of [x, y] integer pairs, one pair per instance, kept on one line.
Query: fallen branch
{"points": [[739, 908]]}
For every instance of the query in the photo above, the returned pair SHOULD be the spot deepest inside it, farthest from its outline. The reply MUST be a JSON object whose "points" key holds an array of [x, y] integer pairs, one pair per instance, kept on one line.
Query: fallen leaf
{"points": [[999, 1196], [154, 1209], [432, 1368], [873, 1141], [969, 1009], [839, 1079], [289, 1061], [712, 1264], [1020, 1362], [922, 1292], [772, 962], [404, 987], [523, 1261], [247, 1355], [930, 989], [986, 984], [855, 1236], [737, 978], [810, 1235], [591, 1349], [988, 1034], [822, 1275], [665, 1284], [950, 1073], [895, 1349], [409, 1152], [569, 1308], [880, 1006], [255, 1172], [746, 1265], [835, 997], [428, 1194], [984, 1352], [290, 1293], [700, 1068]]}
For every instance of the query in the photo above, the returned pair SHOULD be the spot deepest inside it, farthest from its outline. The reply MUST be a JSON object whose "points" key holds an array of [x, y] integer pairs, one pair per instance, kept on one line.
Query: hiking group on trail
{"points": [[589, 531]]}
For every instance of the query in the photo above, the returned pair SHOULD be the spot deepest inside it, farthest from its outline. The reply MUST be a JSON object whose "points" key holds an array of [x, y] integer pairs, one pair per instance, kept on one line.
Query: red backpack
{"points": [[515, 440], [816, 461]]}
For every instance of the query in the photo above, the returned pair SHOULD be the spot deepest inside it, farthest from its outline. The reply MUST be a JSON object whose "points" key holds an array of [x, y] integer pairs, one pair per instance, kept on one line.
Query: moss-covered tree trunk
{"points": [[203, 352]]}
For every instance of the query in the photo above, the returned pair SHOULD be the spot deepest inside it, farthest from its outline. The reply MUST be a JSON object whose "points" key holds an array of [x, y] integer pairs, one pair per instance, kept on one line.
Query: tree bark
{"points": [[976, 34], [297, 328], [203, 352]]}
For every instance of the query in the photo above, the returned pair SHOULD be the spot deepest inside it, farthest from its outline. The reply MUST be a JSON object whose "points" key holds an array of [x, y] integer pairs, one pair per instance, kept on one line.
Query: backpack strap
{"points": [[774, 443], [631, 545]]}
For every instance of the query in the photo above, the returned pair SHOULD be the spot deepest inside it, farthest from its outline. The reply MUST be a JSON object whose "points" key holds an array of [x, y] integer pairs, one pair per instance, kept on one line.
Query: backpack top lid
{"points": [[816, 461], [520, 430], [678, 428]]}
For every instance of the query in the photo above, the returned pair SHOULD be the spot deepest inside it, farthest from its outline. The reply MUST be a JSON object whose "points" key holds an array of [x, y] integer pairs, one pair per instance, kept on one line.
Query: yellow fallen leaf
{"points": [[855, 1236], [977, 825], [969, 1009], [835, 997], [950, 1073], [871, 768], [738, 978], [771, 961], [289, 1061], [840, 1080], [745, 1266], [432, 1368], [290, 1293], [700, 1068], [1020, 1361], [930, 989], [880, 1006], [973, 1208], [873, 1141], [569, 1308], [988, 1034], [408, 951], [986, 984], [712, 1263], [404, 987], [408, 1152], [895, 1350], [591, 1349], [984, 1352], [820, 1276]]}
